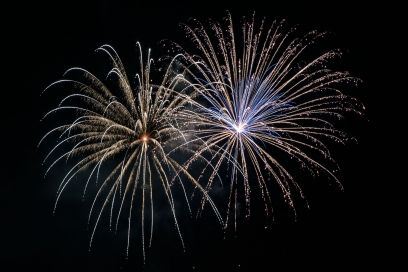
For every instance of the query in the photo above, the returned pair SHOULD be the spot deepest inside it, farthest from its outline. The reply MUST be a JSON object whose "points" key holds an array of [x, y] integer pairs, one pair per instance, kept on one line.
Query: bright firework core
{"points": [[239, 128], [144, 138]]}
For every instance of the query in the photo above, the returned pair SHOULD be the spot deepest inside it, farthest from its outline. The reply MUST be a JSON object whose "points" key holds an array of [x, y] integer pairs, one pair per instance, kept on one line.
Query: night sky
{"points": [[349, 229]]}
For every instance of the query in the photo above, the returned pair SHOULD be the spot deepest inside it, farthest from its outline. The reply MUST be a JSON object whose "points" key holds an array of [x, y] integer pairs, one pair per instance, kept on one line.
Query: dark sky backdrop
{"points": [[342, 229]]}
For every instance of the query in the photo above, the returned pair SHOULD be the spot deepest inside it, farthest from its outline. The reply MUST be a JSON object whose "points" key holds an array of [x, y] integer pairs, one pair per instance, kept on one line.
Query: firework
{"points": [[134, 127], [264, 102]]}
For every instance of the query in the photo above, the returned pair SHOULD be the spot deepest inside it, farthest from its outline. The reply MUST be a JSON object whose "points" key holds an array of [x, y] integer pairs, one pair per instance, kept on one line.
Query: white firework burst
{"points": [[134, 127]]}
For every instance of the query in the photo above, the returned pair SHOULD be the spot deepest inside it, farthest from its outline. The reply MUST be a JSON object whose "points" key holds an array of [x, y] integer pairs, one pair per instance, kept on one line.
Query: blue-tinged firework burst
{"points": [[262, 96]]}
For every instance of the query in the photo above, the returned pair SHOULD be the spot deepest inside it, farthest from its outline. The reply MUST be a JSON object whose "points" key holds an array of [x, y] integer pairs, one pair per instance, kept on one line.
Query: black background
{"points": [[350, 229]]}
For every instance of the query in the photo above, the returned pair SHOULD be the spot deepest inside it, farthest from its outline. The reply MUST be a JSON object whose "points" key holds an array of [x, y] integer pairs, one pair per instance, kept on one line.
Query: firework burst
{"points": [[134, 127], [261, 96]]}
